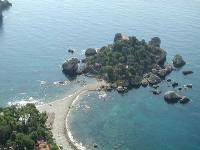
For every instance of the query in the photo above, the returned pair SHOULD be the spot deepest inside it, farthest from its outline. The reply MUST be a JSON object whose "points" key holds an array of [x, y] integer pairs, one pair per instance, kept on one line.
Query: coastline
{"points": [[61, 108]]}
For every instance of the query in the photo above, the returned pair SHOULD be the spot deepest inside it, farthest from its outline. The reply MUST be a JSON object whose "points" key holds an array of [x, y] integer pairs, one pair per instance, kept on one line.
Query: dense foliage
{"points": [[127, 59], [20, 128]]}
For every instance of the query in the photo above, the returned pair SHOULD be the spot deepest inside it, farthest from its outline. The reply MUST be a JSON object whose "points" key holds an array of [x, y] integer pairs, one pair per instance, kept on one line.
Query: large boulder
{"points": [[155, 42], [178, 61], [153, 79], [90, 52], [70, 66], [171, 97]]}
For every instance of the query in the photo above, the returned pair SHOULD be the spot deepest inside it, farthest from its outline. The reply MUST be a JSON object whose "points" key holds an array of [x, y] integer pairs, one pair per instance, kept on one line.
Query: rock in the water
{"points": [[178, 61], [156, 92], [171, 97], [70, 66], [154, 79], [70, 50], [169, 80], [95, 145], [180, 88], [184, 100], [90, 52], [155, 42], [144, 82], [120, 89], [155, 86], [188, 85], [186, 72], [174, 84]]}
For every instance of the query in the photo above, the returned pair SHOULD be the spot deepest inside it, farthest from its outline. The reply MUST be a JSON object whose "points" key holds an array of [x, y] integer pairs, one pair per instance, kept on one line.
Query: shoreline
{"points": [[61, 108]]}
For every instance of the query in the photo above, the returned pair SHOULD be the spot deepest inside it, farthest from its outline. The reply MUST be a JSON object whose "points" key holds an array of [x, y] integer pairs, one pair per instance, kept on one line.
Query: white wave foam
{"points": [[102, 95], [23, 102], [42, 82]]}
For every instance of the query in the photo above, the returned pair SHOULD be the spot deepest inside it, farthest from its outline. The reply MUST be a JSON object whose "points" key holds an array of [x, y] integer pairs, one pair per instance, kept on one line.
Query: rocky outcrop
{"points": [[135, 84], [178, 61], [153, 79], [186, 72], [184, 100], [144, 82], [155, 42], [171, 97], [71, 66], [155, 86], [168, 67], [188, 85], [90, 52], [120, 89]]}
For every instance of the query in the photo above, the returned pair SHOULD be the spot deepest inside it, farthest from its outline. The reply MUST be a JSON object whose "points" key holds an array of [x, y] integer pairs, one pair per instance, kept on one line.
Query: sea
{"points": [[34, 39]]}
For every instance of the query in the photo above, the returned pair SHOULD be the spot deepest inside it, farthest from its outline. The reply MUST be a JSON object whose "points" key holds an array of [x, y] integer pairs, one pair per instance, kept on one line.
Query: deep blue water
{"points": [[34, 38]]}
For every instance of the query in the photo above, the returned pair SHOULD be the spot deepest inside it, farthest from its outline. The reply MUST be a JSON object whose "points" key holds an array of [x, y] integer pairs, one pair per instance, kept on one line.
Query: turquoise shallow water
{"points": [[34, 38]]}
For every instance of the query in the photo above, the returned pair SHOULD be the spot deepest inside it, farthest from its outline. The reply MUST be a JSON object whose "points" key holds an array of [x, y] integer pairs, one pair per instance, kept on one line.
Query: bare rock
{"points": [[144, 82], [90, 52], [155, 86], [188, 85], [186, 72], [95, 145], [155, 42], [178, 61], [156, 92], [184, 100], [168, 67], [171, 97], [154, 79], [70, 66]]}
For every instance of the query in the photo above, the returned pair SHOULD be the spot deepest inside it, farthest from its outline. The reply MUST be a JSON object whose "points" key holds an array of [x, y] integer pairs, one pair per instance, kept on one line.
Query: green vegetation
{"points": [[20, 128], [127, 59]]}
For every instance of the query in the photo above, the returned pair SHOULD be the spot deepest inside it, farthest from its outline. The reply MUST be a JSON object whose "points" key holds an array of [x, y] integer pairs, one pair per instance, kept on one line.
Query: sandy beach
{"points": [[60, 109]]}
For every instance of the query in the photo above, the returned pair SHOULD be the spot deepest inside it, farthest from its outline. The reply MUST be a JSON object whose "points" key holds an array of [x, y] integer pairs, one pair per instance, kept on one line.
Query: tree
{"points": [[54, 147]]}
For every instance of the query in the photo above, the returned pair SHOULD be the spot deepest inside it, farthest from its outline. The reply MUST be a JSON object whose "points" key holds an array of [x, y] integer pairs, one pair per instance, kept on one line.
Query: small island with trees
{"points": [[129, 63], [125, 64]]}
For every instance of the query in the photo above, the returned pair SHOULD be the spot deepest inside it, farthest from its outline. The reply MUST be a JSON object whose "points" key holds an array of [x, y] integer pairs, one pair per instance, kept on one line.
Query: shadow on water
{"points": [[70, 77]]}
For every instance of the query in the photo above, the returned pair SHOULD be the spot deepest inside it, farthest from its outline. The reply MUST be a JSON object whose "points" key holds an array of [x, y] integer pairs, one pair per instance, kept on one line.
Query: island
{"points": [[125, 64]]}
